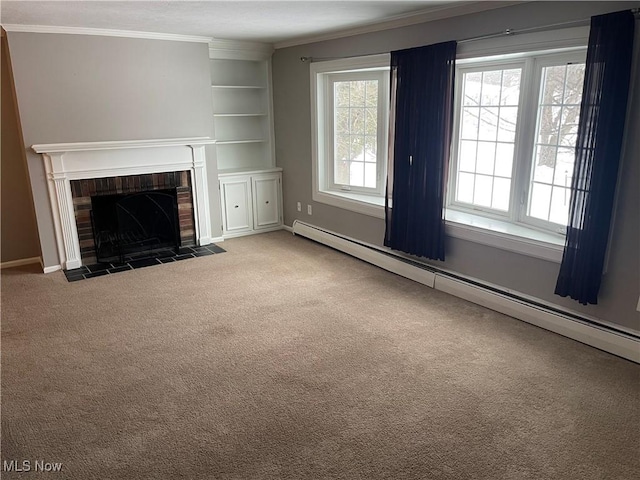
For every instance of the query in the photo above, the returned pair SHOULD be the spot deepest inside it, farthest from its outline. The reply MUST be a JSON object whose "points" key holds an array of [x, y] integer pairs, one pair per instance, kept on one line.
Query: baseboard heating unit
{"points": [[602, 335]]}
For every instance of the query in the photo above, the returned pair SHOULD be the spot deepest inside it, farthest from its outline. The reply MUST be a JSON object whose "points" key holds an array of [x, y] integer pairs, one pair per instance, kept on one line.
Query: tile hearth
{"points": [[168, 256]]}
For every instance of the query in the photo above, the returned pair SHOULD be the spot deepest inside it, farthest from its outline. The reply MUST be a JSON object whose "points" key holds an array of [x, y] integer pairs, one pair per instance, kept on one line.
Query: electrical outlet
{"points": [[309, 211], [299, 205]]}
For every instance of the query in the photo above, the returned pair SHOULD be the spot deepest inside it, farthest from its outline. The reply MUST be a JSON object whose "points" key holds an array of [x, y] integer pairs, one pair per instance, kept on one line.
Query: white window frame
{"points": [[381, 76], [482, 66], [479, 229], [523, 163], [362, 200], [579, 56]]}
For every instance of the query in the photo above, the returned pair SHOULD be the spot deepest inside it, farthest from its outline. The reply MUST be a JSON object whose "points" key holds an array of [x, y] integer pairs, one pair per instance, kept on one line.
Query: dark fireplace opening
{"points": [[135, 225]]}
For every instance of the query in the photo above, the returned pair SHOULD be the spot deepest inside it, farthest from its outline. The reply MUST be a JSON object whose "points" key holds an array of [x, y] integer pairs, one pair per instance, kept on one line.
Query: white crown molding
{"points": [[104, 32], [422, 16], [118, 145], [239, 50]]}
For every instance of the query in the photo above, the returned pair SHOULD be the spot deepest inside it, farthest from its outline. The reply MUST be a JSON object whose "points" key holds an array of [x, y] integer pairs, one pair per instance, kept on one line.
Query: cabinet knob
{"points": [[236, 206], [267, 201]]}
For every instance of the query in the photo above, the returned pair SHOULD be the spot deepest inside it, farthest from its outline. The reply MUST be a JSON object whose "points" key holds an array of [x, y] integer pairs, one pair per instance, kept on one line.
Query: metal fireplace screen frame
{"points": [[126, 226], [83, 191]]}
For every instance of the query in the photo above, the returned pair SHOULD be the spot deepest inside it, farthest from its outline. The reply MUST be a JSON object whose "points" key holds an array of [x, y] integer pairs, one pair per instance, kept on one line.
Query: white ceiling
{"points": [[263, 21]]}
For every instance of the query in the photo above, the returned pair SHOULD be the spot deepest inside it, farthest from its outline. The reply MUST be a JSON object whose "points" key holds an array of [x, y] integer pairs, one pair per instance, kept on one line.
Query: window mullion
{"points": [[523, 161], [475, 161], [381, 132], [330, 133], [455, 142]]}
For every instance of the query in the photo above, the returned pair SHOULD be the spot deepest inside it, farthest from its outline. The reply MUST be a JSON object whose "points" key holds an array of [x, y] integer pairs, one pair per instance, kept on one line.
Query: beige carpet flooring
{"points": [[284, 359]]}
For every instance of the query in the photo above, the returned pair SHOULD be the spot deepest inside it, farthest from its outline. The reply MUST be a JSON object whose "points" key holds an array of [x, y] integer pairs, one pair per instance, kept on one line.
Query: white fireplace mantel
{"points": [[76, 161]]}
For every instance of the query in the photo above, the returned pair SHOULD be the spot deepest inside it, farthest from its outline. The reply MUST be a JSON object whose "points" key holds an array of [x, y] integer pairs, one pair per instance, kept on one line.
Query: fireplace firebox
{"points": [[134, 225], [106, 214]]}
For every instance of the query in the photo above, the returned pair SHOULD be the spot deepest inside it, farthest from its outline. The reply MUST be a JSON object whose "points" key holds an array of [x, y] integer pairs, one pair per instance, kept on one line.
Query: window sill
{"points": [[466, 226], [504, 235], [359, 203]]}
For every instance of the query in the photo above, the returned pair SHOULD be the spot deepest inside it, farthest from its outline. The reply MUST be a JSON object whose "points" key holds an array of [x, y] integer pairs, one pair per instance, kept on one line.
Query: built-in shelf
{"points": [[239, 114], [242, 111], [238, 86], [231, 142], [250, 184]]}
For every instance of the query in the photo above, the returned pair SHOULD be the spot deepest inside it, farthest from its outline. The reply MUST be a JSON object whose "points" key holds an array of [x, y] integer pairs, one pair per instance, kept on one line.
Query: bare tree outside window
{"points": [[559, 108], [356, 126], [488, 128], [555, 141]]}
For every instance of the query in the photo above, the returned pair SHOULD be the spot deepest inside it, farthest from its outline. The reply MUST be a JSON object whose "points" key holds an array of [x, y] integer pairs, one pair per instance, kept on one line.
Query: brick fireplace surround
{"points": [[83, 190], [76, 171]]}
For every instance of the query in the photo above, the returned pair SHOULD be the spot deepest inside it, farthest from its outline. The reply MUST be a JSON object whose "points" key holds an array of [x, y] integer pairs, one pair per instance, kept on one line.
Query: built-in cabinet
{"points": [[235, 196], [251, 202], [249, 182]]}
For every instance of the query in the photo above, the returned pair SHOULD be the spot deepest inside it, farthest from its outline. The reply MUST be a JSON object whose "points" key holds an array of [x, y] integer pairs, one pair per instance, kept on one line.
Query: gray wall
{"points": [[82, 88], [19, 234], [621, 286]]}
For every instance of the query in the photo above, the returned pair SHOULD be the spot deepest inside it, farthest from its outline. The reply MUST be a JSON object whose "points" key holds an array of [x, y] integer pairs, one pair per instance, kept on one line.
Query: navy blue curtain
{"points": [[602, 117], [422, 86]]}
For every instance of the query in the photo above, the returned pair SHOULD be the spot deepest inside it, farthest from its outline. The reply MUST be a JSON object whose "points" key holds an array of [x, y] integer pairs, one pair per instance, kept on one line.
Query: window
{"points": [[490, 101], [514, 140], [350, 98], [558, 113], [355, 116]]}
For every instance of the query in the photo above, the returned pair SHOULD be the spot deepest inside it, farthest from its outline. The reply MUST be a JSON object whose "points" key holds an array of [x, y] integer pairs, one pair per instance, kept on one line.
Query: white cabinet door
{"points": [[236, 207], [266, 201]]}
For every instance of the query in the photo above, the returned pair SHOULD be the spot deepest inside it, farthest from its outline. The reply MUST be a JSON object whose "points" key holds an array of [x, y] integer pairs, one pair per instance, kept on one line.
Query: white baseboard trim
{"points": [[19, 263], [290, 229], [217, 239], [51, 269], [602, 337], [252, 232]]}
